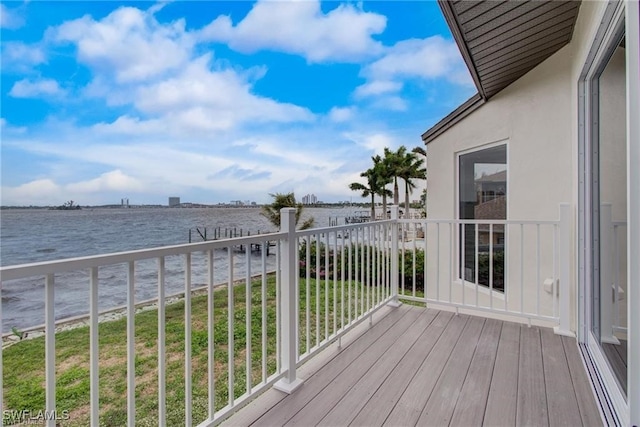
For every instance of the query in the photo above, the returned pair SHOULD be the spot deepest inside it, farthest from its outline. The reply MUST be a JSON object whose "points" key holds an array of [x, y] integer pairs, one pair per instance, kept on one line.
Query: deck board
{"points": [[377, 408], [442, 402], [374, 344], [472, 401], [409, 407], [561, 402], [372, 362], [503, 393], [532, 399], [417, 366], [373, 375]]}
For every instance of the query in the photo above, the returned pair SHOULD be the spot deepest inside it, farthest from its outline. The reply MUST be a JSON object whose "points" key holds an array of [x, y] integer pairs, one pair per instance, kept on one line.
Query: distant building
{"points": [[309, 199], [174, 201]]}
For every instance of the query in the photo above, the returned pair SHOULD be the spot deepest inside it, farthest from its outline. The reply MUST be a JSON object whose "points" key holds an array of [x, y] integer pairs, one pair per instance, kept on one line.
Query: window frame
{"points": [[458, 279]]}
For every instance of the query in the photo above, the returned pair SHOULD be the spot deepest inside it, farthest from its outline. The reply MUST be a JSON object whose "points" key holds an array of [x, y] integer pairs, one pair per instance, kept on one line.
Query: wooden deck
{"points": [[418, 366]]}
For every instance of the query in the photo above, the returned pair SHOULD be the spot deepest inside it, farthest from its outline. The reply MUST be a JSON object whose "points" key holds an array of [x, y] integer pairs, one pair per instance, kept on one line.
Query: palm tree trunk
{"points": [[396, 196], [373, 208], [384, 206], [406, 200]]}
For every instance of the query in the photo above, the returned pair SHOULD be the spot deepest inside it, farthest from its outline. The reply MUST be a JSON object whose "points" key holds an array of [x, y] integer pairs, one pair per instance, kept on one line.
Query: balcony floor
{"points": [[418, 366]]}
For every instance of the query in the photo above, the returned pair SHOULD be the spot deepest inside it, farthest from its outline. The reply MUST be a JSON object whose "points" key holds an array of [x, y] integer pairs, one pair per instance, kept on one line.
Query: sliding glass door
{"points": [[603, 214]]}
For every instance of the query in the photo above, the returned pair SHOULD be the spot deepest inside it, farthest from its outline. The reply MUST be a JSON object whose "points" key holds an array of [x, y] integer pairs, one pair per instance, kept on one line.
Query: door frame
{"points": [[613, 403]]}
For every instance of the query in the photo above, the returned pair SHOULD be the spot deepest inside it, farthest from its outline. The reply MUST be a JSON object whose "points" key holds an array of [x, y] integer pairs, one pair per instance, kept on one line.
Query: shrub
{"points": [[353, 264], [406, 267]]}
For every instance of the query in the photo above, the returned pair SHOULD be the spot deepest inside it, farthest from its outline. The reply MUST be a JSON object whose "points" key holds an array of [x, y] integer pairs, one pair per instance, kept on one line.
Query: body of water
{"points": [[31, 235]]}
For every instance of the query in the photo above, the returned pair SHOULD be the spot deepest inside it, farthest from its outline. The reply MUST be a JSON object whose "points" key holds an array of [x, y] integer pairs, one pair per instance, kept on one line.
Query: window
{"points": [[483, 195]]}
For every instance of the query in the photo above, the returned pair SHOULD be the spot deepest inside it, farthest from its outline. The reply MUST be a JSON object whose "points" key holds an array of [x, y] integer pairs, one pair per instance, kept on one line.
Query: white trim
{"points": [[596, 61], [456, 208], [633, 208], [608, 378]]}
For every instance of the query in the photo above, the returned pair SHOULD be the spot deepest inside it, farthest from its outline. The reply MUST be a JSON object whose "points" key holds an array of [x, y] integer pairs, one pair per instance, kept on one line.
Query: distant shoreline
{"points": [[184, 206]]}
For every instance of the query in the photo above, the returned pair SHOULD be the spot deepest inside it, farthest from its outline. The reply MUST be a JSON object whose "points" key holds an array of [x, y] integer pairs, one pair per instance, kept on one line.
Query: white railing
{"points": [[255, 269], [505, 267], [262, 316], [253, 352], [344, 274]]}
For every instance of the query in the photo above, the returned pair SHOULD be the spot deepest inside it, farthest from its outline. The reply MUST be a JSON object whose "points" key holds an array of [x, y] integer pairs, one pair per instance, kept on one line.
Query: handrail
{"points": [[327, 280], [20, 271]]}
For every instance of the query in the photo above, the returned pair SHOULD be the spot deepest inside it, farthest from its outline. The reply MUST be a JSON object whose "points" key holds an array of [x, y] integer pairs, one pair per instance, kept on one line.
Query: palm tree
{"points": [[394, 163], [367, 190], [281, 200], [420, 150], [423, 198], [412, 168], [376, 182], [384, 175]]}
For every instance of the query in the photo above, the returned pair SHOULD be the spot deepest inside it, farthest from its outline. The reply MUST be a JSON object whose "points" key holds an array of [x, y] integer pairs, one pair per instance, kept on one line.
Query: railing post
{"points": [[288, 296], [50, 348], [564, 254], [395, 302]]}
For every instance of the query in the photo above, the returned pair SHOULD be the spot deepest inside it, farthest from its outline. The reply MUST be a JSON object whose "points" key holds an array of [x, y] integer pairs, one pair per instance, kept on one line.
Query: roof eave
{"points": [[452, 118], [454, 26]]}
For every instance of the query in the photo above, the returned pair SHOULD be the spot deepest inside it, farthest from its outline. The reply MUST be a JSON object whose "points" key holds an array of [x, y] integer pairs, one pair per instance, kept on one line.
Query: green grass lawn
{"points": [[23, 363]]}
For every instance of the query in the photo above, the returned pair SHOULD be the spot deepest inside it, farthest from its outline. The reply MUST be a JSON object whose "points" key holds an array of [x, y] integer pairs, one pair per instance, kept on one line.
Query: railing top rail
{"points": [[20, 271], [479, 221], [346, 227]]}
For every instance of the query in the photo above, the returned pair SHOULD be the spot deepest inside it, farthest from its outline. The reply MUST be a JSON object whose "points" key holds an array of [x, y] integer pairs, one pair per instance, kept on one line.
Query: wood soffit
{"points": [[501, 41]]}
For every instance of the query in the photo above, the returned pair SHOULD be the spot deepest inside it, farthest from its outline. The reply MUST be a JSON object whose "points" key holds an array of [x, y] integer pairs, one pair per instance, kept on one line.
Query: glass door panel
{"points": [[608, 307]]}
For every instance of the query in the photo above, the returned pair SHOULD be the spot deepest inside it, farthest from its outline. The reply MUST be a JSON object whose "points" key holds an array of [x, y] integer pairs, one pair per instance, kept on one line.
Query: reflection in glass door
{"points": [[609, 215]]}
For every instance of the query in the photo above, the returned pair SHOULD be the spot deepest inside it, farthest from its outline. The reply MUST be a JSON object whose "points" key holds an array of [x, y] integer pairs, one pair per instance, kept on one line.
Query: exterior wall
{"points": [[533, 117], [537, 117]]}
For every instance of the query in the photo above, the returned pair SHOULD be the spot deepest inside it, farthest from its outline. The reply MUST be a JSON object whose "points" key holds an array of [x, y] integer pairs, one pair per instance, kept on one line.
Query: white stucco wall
{"points": [[537, 117]]}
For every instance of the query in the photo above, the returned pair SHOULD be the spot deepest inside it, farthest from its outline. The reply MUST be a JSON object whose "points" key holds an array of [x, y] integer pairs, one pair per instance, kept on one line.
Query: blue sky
{"points": [[215, 101]]}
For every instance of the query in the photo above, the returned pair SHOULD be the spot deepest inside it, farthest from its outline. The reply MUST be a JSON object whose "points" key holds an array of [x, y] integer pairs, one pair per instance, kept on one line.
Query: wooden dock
{"points": [[202, 234]]}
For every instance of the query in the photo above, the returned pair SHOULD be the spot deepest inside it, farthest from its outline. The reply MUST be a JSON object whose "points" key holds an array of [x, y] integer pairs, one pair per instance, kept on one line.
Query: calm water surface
{"points": [[28, 236]]}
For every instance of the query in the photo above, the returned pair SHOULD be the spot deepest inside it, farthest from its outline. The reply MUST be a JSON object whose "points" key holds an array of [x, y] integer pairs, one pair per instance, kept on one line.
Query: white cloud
{"points": [[128, 43], [341, 115], [110, 181], [433, 58], [392, 103], [33, 89], [139, 62], [374, 142], [21, 57], [377, 87], [9, 19], [430, 58], [200, 100], [8, 129], [301, 28], [37, 192], [133, 126], [43, 192]]}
